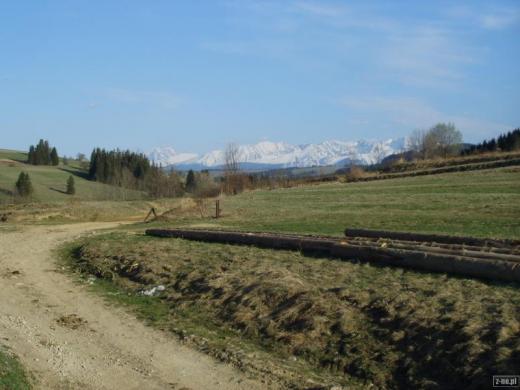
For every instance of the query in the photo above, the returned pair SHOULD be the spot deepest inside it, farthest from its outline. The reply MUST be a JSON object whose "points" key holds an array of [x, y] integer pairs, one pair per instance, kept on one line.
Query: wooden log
{"points": [[430, 238], [453, 263], [460, 265], [438, 250], [487, 249]]}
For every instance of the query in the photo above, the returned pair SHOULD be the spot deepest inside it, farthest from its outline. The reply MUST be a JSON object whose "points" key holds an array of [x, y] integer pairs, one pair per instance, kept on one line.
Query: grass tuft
{"points": [[12, 374]]}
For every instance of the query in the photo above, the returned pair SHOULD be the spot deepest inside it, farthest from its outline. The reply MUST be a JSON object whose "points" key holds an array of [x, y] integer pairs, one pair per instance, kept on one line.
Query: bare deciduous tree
{"points": [[415, 141], [440, 140], [379, 153], [231, 158], [232, 177]]}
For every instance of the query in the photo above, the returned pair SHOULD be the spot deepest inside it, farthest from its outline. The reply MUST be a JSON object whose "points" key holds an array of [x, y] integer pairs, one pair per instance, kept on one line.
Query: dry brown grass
{"points": [[404, 166], [355, 173], [382, 326]]}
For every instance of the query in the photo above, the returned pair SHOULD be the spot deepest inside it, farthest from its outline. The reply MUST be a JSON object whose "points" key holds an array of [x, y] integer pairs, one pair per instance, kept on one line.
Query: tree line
{"points": [[506, 142], [134, 171], [42, 154]]}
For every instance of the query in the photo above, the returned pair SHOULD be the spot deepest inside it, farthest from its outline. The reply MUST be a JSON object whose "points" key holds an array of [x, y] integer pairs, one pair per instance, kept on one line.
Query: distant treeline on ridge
{"points": [[42, 154], [505, 142], [117, 167], [132, 170]]}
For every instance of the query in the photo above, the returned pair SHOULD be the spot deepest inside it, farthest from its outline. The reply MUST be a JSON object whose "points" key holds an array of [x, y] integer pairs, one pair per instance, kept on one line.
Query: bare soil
{"points": [[70, 339]]}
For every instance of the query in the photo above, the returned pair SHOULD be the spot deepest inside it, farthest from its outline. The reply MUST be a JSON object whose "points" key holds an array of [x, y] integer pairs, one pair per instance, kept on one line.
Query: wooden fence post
{"points": [[217, 208], [152, 211]]}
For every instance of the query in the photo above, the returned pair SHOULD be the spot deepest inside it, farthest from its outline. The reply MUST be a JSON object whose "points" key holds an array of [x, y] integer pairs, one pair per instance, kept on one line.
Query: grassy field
{"points": [[300, 318], [12, 374], [480, 203], [15, 155], [303, 318], [49, 182]]}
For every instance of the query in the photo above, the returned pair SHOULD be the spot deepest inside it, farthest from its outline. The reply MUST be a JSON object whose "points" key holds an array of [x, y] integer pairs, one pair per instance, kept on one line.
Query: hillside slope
{"points": [[49, 182]]}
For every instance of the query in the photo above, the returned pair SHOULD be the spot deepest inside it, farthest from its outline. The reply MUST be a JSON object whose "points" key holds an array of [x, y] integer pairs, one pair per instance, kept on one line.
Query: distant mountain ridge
{"points": [[272, 155]]}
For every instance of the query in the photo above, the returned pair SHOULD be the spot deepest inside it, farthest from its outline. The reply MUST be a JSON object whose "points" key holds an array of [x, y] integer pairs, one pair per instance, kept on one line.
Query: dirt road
{"points": [[69, 338]]}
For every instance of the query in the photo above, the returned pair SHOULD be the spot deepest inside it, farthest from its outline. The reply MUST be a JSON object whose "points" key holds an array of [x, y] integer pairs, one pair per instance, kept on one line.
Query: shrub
{"points": [[23, 185], [71, 190], [355, 173]]}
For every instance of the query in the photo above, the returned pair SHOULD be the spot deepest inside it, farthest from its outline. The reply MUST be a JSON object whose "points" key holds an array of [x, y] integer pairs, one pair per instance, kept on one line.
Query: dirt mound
{"points": [[71, 321], [376, 326]]}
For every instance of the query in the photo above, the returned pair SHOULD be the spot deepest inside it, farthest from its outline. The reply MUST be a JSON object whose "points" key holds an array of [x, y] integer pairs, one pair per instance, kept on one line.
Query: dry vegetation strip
{"points": [[436, 171], [356, 323], [446, 162]]}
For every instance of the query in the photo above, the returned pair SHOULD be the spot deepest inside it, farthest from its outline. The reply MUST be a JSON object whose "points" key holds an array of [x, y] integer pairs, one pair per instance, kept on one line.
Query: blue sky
{"points": [[196, 75]]}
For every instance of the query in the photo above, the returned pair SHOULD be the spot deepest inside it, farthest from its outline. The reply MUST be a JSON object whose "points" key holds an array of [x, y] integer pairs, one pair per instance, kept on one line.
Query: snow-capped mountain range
{"points": [[268, 154]]}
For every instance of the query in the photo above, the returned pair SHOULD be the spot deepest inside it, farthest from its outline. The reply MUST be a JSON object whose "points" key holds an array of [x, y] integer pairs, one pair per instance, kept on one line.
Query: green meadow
{"points": [[480, 203]]}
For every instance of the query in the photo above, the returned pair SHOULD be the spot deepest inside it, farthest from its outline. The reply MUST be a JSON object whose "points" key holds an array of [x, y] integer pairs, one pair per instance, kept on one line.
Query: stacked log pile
{"points": [[466, 256]]}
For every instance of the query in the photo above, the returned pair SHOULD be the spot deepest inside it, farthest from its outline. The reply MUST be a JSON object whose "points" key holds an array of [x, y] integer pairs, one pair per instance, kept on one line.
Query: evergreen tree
{"points": [[55, 160], [71, 189], [190, 181], [23, 185], [31, 156], [46, 153], [504, 142], [42, 154], [41, 157]]}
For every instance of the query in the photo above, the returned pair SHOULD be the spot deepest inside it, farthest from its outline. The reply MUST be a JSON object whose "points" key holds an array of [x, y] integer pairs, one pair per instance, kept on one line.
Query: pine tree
{"points": [[41, 158], [46, 153], [23, 185], [504, 142], [41, 154], [55, 160], [31, 156], [190, 181], [71, 189]]}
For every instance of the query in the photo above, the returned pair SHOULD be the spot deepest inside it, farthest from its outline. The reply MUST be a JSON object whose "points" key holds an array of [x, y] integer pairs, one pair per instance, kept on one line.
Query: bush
{"points": [[23, 185], [355, 173], [71, 190]]}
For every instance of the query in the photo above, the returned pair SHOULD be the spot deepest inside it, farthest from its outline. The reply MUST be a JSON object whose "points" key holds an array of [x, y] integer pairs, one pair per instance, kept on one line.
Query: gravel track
{"points": [[70, 339]]}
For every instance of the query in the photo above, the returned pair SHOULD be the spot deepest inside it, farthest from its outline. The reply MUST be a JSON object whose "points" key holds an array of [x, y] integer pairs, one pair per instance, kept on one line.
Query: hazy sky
{"points": [[198, 74]]}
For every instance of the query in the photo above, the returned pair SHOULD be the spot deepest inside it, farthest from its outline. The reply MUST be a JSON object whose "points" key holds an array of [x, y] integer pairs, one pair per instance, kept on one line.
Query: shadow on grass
{"points": [[57, 190], [76, 172], [6, 192]]}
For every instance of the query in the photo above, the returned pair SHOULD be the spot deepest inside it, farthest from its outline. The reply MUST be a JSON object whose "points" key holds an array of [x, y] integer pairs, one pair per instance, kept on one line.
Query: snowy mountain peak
{"points": [[168, 156], [280, 154]]}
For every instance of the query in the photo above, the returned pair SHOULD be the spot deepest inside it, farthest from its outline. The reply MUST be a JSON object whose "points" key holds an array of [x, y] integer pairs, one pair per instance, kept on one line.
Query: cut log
{"points": [[431, 238], [422, 257]]}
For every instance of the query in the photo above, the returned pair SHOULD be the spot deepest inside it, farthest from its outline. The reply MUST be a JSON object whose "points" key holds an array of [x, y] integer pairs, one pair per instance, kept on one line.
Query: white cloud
{"points": [[490, 17], [338, 15], [499, 20], [427, 56], [407, 113]]}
